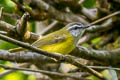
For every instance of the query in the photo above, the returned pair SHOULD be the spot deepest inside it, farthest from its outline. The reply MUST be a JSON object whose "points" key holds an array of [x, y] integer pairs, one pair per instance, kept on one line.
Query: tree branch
{"points": [[11, 32], [21, 26], [34, 13], [30, 57], [49, 73], [58, 57], [101, 56], [53, 13]]}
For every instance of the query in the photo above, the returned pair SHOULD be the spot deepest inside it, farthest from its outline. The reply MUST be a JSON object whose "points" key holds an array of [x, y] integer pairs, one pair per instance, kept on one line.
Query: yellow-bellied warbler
{"points": [[62, 41]]}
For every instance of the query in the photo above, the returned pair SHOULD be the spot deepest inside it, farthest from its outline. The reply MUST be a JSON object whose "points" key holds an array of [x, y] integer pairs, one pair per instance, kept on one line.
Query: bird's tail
{"points": [[17, 49]]}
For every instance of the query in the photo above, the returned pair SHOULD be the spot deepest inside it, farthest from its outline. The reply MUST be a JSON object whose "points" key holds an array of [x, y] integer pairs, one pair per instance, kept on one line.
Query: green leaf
{"points": [[96, 40], [5, 45], [89, 3]]}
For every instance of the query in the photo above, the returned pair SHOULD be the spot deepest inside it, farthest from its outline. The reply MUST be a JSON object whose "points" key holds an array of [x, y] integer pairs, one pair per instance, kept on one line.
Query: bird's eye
{"points": [[76, 28]]}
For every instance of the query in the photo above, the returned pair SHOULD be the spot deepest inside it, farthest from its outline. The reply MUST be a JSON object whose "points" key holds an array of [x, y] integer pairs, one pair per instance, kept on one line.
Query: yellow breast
{"points": [[63, 47]]}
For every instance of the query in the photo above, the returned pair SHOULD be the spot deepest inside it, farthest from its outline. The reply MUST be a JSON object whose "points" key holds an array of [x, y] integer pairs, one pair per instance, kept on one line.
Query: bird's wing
{"points": [[49, 39]]}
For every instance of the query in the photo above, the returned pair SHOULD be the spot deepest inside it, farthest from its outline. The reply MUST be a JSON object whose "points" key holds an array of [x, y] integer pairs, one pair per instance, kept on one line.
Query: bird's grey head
{"points": [[76, 29]]}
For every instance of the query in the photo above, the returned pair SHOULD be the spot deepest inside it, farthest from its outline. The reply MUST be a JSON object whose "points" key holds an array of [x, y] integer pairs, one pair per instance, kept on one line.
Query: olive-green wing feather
{"points": [[50, 39], [46, 40]]}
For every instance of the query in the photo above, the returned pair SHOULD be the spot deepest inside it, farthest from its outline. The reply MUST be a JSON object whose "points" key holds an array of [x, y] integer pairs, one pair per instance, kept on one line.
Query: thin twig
{"points": [[10, 71], [44, 72], [3, 32], [108, 24], [103, 67], [1, 12], [11, 16], [106, 17], [49, 27]]}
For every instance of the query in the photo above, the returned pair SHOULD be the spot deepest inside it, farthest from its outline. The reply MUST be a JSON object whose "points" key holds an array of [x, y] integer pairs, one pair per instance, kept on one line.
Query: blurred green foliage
{"points": [[89, 3], [8, 5], [12, 76], [105, 73], [6, 45], [96, 40]]}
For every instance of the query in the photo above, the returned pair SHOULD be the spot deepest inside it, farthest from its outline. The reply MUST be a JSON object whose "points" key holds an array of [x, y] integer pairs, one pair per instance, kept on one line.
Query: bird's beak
{"points": [[86, 26]]}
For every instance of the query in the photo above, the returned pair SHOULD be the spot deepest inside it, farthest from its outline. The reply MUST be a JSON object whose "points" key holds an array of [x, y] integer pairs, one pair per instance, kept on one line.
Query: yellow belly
{"points": [[64, 47]]}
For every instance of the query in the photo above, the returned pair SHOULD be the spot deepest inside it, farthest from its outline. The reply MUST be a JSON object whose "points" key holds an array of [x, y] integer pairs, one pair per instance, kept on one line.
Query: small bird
{"points": [[62, 41]]}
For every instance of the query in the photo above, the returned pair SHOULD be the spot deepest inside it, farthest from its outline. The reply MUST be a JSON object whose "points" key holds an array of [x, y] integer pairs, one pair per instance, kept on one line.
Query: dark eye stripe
{"points": [[74, 25]]}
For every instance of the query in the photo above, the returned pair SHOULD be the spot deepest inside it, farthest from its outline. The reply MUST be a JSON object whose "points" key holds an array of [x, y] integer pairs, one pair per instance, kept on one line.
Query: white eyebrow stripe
{"points": [[72, 26], [80, 26]]}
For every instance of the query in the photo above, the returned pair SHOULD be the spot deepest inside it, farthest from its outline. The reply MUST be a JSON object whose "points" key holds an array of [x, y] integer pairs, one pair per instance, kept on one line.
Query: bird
{"points": [[62, 41]]}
